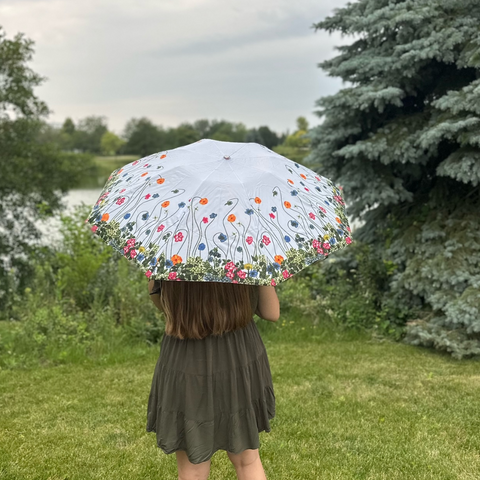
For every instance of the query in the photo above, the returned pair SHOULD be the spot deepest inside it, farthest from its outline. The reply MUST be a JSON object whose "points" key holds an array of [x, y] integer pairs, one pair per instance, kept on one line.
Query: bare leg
{"points": [[191, 471], [248, 465]]}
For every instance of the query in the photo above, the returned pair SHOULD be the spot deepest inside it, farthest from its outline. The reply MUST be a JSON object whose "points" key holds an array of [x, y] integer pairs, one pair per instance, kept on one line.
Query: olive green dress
{"points": [[212, 394]]}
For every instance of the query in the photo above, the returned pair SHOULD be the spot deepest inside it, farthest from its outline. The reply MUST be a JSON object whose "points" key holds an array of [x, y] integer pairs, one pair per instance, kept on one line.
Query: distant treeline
{"points": [[142, 137]]}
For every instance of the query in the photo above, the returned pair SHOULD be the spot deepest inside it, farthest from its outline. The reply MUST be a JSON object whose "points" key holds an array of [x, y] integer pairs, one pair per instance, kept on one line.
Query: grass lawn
{"points": [[104, 166], [347, 408]]}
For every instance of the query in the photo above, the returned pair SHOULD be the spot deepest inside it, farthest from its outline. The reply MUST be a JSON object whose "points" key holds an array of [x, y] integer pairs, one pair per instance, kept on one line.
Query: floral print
{"points": [[217, 211]]}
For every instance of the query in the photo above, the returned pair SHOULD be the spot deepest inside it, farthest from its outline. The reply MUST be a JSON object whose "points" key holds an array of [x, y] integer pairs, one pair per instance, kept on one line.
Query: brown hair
{"points": [[197, 309]]}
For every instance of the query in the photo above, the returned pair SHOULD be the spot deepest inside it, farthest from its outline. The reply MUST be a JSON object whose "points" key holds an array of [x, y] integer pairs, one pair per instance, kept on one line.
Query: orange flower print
{"points": [[287, 204], [278, 258], [160, 181], [231, 218], [290, 181], [203, 201], [105, 217], [303, 176], [165, 204], [120, 171], [338, 220], [176, 259], [258, 200], [143, 174], [163, 156]]}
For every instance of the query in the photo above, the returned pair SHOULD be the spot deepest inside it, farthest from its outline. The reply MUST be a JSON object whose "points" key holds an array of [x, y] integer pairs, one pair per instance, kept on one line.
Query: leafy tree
{"points": [[143, 137], [297, 145], [403, 142], [88, 134], [110, 143], [270, 138], [34, 171]]}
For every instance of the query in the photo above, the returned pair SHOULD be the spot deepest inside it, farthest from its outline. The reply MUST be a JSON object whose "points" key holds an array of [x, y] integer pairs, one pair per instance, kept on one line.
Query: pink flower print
{"points": [[94, 228], [135, 162], [273, 282], [348, 240], [315, 243], [241, 274], [120, 200], [249, 240], [160, 228], [204, 219], [147, 196], [312, 216], [125, 250], [322, 209], [317, 178], [133, 253], [178, 237], [146, 165], [348, 228], [234, 281], [229, 266], [265, 240], [130, 242], [285, 274], [326, 245], [230, 274], [307, 189], [272, 215], [172, 276], [148, 273], [320, 250], [122, 190]]}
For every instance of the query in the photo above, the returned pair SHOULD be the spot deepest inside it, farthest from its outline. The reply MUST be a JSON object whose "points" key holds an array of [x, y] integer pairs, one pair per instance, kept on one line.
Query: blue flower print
{"points": [[294, 193], [276, 265], [145, 216], [201, 246], [297, 165], [168, 263], [155, 195], [239, 249], [287, 238], [253, 273], [222, 237], [249, 211], [294, 223], [153, 261], [140, 257], [213, 215], [181, 205], [274, 209]]}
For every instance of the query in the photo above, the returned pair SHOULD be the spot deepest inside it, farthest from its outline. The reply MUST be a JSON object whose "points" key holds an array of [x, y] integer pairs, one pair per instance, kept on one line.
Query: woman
{"points": [[212, 386]]}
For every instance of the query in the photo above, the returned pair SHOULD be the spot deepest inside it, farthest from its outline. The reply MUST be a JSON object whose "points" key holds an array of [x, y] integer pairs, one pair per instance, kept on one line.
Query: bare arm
{"points": [[268, 304], [155, 298]]}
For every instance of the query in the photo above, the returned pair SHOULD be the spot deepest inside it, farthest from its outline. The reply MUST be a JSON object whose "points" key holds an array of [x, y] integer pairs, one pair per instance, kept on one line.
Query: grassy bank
{"points": [[348, 407], [103, 167]]}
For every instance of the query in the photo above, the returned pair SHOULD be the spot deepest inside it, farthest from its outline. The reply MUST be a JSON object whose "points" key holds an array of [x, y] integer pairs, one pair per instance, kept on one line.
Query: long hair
{"points": [[197, 309]]}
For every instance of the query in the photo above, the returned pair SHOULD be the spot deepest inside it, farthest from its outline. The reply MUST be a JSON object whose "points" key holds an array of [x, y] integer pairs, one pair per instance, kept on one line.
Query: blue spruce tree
{"points": [[403, 140]]}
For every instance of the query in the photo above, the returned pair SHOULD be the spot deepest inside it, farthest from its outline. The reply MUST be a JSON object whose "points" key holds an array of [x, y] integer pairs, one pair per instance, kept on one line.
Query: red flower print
{"points": [[204, 219], [130, 242], [348, 228], [126, 249], [229, 266], [285, 274], [348, 240], [120, 200], [315, 243], [172, 275], [230, 274], [160, 228], [272, 215], [135, 162], [322, 209], [307, 189], [147, 196], [273, 282], [133, 253], [94, 228], [241, 274], [320, 250], [122, 190], [326, 245], [148, 273], [178, 237], [265, 240], [249, 240], [312, 216]]}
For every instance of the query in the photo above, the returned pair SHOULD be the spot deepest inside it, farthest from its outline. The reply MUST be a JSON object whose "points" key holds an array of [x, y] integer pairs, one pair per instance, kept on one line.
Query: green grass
{"points": [[348, 407], [104, 166]]}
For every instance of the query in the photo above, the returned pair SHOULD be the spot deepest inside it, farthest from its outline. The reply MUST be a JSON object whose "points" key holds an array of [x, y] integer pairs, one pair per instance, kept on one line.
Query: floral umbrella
{"points": [[215, 211]]}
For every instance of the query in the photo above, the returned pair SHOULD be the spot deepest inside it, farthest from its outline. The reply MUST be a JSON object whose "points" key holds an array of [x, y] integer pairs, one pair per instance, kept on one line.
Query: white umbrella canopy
{"points": [[215, 211]]}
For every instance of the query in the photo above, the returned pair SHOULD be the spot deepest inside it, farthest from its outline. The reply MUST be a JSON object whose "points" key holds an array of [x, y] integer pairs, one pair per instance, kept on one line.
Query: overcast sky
{"points": [[250, 61]]}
